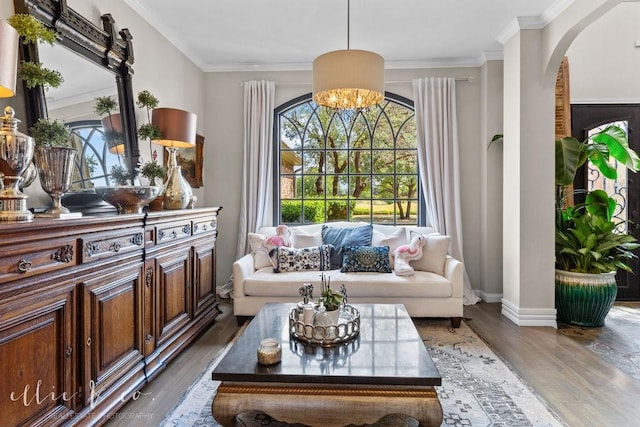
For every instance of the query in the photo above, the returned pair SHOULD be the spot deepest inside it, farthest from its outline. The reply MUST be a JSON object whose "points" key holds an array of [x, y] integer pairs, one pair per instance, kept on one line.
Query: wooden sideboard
{"points": [[93, 308]]}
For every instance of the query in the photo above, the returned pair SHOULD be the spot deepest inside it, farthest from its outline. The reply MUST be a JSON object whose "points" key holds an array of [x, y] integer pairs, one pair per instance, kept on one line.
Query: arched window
{"points": [[94, 160], [347, 165]]}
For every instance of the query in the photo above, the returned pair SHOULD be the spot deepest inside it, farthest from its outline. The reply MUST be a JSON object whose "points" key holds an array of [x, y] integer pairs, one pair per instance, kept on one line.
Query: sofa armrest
{"points": [[242, 269], [454, 272]]}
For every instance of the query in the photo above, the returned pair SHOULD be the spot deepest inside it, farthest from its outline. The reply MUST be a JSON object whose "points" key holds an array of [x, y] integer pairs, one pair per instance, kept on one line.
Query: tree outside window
{"points": [[347, 165]]}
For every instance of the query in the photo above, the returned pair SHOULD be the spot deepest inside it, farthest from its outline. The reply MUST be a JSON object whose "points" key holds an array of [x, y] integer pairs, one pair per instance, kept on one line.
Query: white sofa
{"points": [[424, 294]]}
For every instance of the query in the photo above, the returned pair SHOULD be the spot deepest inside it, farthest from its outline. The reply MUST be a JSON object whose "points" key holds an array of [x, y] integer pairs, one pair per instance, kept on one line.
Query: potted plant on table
{"points": [[329, 303], [54, 158], [588, 248]]}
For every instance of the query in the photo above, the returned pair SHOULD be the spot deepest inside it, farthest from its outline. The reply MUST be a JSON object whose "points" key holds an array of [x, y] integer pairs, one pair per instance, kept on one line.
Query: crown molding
{"points": [[171, 36], [307, 66], [533, 22]]}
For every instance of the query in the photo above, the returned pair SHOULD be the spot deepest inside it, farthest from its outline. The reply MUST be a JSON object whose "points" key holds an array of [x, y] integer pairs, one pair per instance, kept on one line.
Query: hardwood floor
{"points": [[582, 388]]}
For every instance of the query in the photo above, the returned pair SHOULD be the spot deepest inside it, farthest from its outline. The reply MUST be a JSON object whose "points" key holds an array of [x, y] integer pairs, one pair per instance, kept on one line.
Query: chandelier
{"points": [[348, 79]]}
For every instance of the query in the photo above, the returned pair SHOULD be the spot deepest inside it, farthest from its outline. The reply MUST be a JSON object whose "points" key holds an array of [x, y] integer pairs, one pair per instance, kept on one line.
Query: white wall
{"points": [[604, 63], [223, 153]]}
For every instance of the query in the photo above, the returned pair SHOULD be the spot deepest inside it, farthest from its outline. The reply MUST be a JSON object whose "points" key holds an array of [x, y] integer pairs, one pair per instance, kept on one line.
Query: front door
{"points": [[589, 118]]}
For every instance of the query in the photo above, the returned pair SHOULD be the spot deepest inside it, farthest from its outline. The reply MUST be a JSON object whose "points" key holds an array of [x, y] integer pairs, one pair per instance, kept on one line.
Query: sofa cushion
{"points": [[422, 284], [293, 259], [366, 259], [341, 237], [304, 239], [260, 256], [398, 237], [434, 254]]}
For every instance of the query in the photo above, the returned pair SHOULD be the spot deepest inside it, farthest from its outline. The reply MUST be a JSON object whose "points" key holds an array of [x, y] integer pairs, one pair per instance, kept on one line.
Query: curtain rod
{"points": [[458, 79]]}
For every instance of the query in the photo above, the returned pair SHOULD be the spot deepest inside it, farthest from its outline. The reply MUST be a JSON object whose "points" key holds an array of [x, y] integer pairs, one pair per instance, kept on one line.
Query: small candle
{"points": [[269, 351]]}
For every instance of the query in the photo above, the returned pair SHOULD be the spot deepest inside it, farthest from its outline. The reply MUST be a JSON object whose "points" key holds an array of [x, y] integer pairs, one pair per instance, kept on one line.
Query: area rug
{"points": [[617, 342], [478, 389]]}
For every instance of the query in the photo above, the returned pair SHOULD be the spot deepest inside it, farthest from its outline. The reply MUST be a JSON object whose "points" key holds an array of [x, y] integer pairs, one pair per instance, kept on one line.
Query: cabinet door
{"points": [[173, 293], [112, 336], [38, 357], [204, 283]]}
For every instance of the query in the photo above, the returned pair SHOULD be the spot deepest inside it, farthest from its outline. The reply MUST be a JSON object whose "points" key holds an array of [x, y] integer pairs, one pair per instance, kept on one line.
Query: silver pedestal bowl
{"points": [[128, 198]]}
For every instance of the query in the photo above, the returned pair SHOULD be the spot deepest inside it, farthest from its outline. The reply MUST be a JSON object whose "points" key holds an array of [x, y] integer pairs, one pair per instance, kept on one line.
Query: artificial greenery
{"points": [[31, 29], [34, 75], [586, 236], [330, 299], [152, 170], [148, 131], [120, 174], [104, 105], [50, 133], [147, 100]]}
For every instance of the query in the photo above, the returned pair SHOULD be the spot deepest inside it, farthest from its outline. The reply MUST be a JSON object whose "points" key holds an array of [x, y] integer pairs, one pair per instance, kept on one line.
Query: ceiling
{"points": [[238, 35]]}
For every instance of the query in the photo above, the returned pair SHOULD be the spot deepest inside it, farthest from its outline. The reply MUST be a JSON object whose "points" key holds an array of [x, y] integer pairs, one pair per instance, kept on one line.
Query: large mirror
{"points": [[94, 62]]}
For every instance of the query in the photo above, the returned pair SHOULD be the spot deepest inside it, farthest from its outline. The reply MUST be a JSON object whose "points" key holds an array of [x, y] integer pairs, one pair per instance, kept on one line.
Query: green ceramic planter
{"points": [[584, 299]]}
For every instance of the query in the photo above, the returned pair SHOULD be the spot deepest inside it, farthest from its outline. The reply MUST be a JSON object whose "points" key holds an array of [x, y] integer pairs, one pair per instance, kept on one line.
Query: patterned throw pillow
{"points": [[374, 259], [291, 259]]}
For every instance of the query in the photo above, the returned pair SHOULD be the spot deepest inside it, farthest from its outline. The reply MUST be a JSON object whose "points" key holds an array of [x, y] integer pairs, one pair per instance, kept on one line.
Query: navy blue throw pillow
{"points": [[341, 237], [370, 259]]}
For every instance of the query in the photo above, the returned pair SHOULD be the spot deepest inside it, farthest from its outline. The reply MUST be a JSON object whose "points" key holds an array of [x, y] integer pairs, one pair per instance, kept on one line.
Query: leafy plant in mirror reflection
{"points": [[31, 30], [104, 106], [120, 174], [50, 133]]}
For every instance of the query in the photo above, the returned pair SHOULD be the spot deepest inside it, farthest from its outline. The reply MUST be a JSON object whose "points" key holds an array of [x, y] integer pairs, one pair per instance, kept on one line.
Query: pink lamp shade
{"points": [[8, 59], [178, 127]]}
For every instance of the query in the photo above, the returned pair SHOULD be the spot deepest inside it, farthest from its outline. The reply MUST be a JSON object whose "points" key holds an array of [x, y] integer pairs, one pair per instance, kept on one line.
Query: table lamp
{"points": [[178, 130], [16, 149]]}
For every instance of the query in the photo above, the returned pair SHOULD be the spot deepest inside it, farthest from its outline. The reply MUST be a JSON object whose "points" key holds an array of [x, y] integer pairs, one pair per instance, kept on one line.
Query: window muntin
{"points": [[94, 161], [348, 165]]}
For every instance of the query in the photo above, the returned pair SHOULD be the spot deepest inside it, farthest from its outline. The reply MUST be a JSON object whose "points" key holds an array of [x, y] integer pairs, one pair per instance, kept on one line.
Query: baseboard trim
{"points": [[489, 297], [529, 316]]}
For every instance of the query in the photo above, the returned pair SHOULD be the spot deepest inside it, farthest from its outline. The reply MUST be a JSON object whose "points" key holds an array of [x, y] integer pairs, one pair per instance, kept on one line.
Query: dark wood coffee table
{"points": [[384, 370]]}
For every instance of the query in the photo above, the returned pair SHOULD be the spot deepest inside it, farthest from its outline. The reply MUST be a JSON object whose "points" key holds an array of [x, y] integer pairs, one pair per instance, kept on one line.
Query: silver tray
{"points": [[347, 328]]}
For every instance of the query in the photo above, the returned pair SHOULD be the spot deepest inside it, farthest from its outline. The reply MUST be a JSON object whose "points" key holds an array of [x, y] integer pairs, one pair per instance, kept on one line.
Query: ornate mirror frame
{"points": [[101, 46]]}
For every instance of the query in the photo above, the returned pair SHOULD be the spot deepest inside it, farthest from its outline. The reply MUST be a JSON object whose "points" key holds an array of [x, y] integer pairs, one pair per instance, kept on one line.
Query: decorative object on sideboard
{"points": [[16, 149], [54, 159], [148, 131], [178, 129], [16, 153], [129, 198], [348, 79]]}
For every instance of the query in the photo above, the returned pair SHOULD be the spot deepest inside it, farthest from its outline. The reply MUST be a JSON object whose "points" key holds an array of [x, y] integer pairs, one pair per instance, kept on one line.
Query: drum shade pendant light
{"points": [[348, 79]]}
